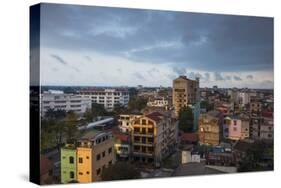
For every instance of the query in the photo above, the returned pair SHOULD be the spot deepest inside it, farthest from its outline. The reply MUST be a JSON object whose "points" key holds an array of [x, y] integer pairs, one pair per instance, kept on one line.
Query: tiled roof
{"points": [[156, 116], [191, 137]]}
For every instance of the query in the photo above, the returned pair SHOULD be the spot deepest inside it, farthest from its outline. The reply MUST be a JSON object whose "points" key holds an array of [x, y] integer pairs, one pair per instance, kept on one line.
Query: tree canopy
{"points": [[186, 119], [120, 171]]}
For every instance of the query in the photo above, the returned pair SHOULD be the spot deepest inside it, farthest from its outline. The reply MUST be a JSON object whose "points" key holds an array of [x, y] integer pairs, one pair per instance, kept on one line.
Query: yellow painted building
{"points": [[84, 164]]}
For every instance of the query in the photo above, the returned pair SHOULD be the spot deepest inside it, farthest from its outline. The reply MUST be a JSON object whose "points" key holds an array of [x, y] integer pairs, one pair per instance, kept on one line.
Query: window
{"points": [[110, 163], [80, 160], [71, 174], [87, 157], [109, 150], [234, 129], [88, 172], [71, 160], [103, 154], [80, 173], [98, 171], [98, 157], [235, 122]]}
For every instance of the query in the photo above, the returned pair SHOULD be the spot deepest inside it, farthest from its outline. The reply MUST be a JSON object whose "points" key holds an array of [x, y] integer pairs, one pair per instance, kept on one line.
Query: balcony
{"points": [[140, 153], [143, 134], [143, 144]]}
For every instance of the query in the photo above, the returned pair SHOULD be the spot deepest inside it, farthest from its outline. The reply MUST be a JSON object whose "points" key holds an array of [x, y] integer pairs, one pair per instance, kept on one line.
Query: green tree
{"points": [[253, 160], [186, 119], [137, 103], [88, 115], [120, 171], [119, 109], [55, 114], [70, 125], [206, 105], [98, 110]]}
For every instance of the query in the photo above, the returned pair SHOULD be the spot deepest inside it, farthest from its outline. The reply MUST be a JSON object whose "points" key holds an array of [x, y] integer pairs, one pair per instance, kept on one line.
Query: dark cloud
{"points": [[250, 77], [218, 76], [152, 71], [63, 62], [237, 78], [227, 77], [179, 71], [59, 59], [88, 58], [207, 42]]}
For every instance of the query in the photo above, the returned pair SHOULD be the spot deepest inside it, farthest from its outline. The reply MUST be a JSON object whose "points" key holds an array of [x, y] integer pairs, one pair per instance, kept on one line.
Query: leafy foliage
{"points": [[256, 158], [186, 119], [120, 171], [137, 103], [57, 129]]}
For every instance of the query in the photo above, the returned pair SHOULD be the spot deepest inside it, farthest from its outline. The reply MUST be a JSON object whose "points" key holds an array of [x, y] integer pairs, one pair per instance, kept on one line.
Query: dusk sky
{"points": [[98, 46]]}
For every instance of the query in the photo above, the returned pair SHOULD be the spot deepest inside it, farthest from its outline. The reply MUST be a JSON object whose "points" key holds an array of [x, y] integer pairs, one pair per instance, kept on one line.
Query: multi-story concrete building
{"points": [[107, 97], [67, 102], [185, 92], [236, 128], [153, 137], [85, 162], [209, 129], [68, 164], [234, 95], [95, 153], [255, 107], [125, 121], [245, 97], [262, 128]]}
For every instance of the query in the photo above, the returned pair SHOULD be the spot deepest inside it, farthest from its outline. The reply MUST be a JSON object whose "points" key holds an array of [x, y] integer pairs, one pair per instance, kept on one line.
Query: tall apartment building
{"points": [[125, 121], [67, 102], [153, 137], [185, 92], [209, 129], [86, 161], [107, 97]]}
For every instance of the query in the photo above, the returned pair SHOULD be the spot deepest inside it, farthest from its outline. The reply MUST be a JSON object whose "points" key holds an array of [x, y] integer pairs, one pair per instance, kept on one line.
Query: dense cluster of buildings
{"points": [[224, 121]]}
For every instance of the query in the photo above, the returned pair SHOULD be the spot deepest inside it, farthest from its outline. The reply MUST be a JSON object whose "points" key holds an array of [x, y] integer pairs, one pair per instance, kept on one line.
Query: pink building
{"points": [[235, 128]]}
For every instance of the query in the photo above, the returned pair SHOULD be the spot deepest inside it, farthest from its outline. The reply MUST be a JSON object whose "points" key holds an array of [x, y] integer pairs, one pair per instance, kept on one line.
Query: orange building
{"points": [[84, 163]]}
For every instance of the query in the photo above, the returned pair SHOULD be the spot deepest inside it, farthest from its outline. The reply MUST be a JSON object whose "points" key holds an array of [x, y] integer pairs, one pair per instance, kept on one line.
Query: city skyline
{"points": [[98, 46]]}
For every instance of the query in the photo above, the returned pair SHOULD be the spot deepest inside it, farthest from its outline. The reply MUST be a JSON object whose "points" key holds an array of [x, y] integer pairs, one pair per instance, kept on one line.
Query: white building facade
{"points": [[67, 102], [107, 97], [158, 102]]}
